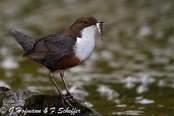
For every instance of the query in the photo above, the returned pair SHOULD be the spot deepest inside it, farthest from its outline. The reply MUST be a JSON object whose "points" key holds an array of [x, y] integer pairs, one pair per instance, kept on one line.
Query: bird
{"points": [[63, 49]]}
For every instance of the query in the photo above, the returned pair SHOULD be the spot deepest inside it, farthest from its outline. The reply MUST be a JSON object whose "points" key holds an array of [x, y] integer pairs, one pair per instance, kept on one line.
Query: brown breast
{"points": [[69, 62]]}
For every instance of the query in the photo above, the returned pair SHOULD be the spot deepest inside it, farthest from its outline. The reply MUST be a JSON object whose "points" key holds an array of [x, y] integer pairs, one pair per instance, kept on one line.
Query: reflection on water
{"points": [[129, 112], [131, 73], [107, 92]]}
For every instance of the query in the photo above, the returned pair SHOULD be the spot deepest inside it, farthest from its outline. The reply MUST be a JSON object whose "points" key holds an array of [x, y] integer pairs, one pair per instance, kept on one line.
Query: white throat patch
{"points": [[86, 44]]}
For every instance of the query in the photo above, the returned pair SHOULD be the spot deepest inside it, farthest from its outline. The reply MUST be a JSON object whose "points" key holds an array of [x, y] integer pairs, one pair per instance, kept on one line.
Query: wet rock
{"points": [[3, 89], [17, 102]]}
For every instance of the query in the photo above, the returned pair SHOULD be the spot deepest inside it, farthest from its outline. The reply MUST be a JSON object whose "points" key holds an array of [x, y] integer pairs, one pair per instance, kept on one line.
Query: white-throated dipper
{"points": [[62, 49]]}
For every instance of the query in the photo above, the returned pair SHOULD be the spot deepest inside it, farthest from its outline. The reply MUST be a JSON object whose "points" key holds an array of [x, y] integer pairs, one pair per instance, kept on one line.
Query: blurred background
{"points": [[131, 73]]}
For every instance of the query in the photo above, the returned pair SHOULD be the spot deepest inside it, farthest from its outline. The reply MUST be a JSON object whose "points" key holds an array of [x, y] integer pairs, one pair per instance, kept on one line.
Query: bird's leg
{"points": [[63, 79], [52, 78], [60, 93], [66, 87]]}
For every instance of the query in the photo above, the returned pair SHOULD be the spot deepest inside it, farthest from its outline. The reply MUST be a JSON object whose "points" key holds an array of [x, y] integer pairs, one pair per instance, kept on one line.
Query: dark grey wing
{"points": [[56, 45], [38, 52], [25, 41]]}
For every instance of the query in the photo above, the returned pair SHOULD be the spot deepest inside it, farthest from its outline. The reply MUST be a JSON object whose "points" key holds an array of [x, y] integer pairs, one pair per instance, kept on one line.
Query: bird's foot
{"points": [[64, 99], [71, 97]]}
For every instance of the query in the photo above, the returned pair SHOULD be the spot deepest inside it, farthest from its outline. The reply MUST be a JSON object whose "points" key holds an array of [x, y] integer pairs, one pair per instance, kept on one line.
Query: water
{"points": [[131, 73]]}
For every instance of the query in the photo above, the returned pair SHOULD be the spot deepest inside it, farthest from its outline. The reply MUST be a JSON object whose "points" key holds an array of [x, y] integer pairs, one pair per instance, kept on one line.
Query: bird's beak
{"points": [[100, 28]]}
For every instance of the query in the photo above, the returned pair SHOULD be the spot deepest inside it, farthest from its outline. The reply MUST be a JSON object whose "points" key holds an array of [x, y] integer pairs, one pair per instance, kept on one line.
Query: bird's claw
{"points": [[71, 97], [64, 99]]}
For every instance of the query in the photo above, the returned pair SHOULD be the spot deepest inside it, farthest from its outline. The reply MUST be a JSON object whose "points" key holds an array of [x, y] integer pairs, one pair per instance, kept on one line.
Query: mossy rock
{"points": [[17, 102]]}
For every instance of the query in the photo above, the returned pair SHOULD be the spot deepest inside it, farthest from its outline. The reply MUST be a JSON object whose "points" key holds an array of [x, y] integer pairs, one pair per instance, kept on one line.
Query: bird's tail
{"points": [[25, 41]]}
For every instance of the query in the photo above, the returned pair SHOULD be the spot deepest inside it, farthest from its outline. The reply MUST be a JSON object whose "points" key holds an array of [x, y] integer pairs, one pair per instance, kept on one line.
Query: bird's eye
{"points": [[86, 22]]}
